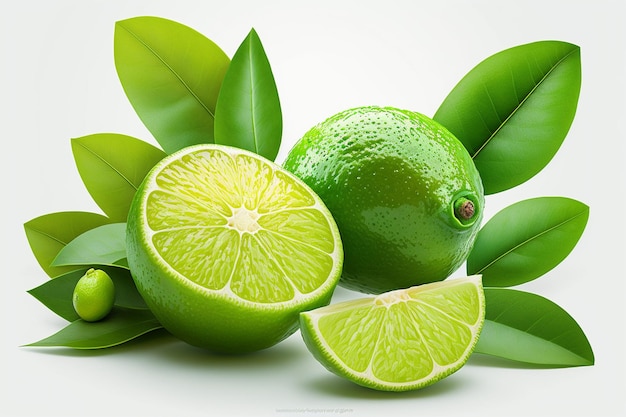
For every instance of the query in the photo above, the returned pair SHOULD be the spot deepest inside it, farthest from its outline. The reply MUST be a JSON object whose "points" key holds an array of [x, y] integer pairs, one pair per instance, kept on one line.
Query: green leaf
{"points": [[248, 114], [171, 75], [48, 234], [527, 239], [104, 245], [529, 328], [56, 294], [112, 166], [513, 110], [120, 326]]}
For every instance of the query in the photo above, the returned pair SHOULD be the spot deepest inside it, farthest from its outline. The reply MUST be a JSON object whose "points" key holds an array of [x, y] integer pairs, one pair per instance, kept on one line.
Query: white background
{"points": [[58, 81]]}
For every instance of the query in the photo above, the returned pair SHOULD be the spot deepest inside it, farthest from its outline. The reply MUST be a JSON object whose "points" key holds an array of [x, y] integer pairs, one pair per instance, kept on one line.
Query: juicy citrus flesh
{"points": [[94, 295], [391, 178], [400, 340], [227, 248]]}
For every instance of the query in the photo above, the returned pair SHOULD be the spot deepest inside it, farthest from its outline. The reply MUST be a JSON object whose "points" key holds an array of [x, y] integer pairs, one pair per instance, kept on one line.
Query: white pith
{"points": [[244, 220]]}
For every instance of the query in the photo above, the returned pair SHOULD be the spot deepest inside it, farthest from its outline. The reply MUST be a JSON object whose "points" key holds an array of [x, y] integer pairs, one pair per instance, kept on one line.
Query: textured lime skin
{"points": [[390, 178], [94, 295], [197, 315]]}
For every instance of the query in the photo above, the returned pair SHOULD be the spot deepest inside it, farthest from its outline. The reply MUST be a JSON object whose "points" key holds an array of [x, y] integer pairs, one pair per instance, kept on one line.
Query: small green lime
{"points": [[94, 295], [403, 190]]}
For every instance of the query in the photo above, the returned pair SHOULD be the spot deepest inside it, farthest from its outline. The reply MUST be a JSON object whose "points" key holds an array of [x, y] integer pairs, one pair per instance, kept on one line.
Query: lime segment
{"points": [[400, 340]]}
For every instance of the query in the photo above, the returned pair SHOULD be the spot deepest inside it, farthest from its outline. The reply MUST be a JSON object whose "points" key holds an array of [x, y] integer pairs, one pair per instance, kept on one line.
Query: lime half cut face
{"points": [[227, 248], [400, 340]]}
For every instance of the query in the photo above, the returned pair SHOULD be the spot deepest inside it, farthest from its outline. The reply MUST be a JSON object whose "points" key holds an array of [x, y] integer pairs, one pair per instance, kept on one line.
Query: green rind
{"points": [[313, 340], [206, 318]]}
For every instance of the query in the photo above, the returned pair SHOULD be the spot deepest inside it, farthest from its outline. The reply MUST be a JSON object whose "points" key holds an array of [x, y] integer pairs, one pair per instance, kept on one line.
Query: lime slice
{"points": [[400, 340], [227, 248]]}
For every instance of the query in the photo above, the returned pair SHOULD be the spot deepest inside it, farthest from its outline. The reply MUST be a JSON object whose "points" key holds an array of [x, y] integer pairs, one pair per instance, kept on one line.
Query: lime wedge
{"points": [[400, 340], [227, 248]]}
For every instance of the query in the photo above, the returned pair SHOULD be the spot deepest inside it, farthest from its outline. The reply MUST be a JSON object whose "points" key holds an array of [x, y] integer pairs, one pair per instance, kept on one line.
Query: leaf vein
{"points": [[534, 237], [252, 101], [48, 235], [107, 163], [169, 67], [519, 106]]}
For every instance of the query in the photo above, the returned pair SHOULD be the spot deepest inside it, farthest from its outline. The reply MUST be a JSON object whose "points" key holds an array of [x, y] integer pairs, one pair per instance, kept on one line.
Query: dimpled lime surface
{"points": [[400, 340], [390, 178], [227, 248]]}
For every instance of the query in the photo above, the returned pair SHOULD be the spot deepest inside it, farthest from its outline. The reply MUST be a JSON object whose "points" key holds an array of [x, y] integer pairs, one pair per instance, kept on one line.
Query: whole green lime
{"points": [[403, 190], [94, 295]]}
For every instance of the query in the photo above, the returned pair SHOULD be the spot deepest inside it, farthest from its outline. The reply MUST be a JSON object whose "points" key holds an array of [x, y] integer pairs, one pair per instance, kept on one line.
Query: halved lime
{"points": [[227, 248], [400, 340]]}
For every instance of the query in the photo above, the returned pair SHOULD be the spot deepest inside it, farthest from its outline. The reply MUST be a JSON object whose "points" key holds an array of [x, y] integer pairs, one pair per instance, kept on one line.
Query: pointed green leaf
{"points": [[48, 234], [527, 239], [112, 167], [104, 245], [120, 326], [171, 75], [248, 113], [57, 294], [529, 328], [513, 110]]}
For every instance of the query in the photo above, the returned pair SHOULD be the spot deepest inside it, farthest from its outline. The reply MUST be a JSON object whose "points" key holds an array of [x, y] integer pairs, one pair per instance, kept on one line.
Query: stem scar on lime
{"points": [[94, 295], [464, 209]]}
